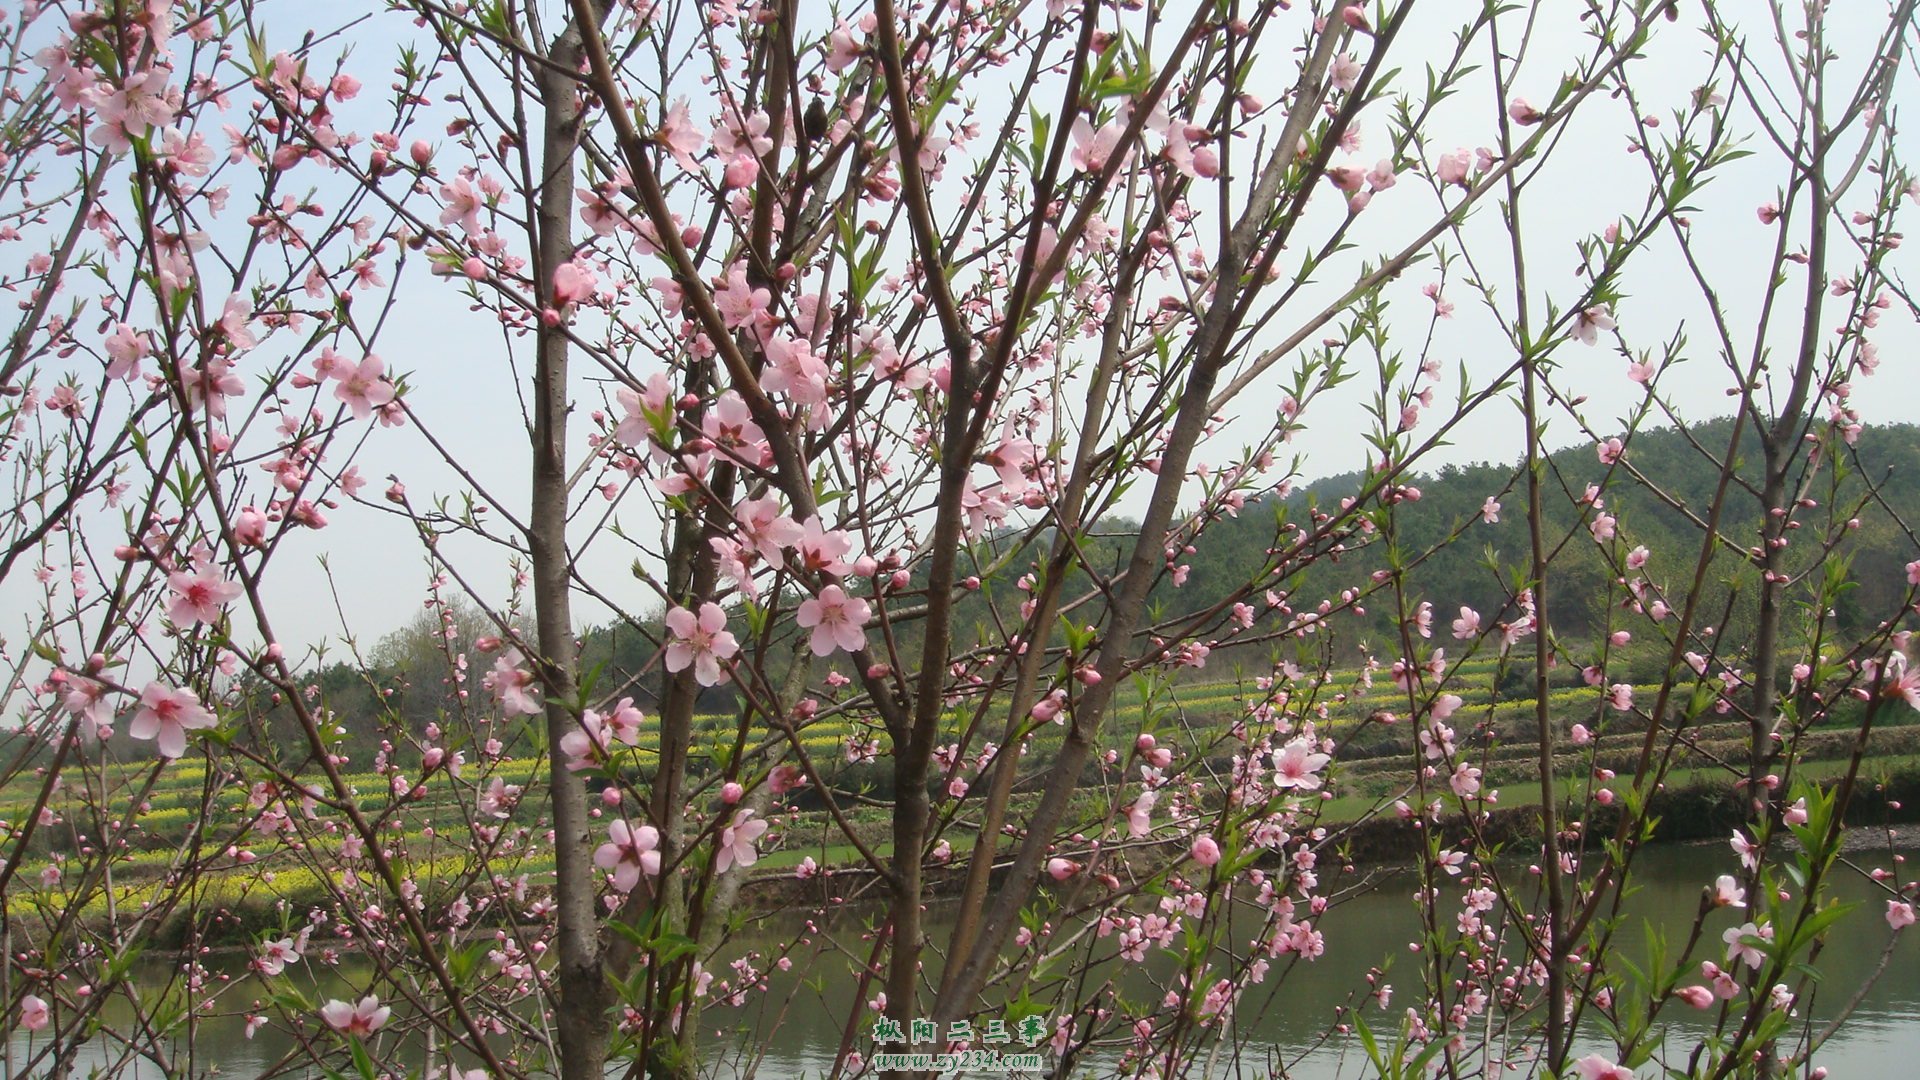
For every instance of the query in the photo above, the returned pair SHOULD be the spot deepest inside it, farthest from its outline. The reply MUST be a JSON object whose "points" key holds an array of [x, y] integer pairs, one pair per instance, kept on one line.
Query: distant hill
{"points": [[1451, 574], [409, 676]]}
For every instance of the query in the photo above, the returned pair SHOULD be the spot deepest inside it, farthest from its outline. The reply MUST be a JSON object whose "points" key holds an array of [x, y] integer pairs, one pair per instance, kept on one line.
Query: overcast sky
{"points": [[463, 391]]}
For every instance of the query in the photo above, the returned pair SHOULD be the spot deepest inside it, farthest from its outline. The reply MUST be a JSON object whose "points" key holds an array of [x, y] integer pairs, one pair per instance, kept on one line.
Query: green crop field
{"points": [[184, 817]]}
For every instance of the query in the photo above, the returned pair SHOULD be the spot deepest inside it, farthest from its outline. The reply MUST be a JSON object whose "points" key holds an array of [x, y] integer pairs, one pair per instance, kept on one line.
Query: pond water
{"points": [[1283, 1021]]}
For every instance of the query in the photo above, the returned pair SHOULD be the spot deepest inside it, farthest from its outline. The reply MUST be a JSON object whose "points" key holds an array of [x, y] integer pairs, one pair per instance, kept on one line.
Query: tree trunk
{"points": [[580, 1013]]}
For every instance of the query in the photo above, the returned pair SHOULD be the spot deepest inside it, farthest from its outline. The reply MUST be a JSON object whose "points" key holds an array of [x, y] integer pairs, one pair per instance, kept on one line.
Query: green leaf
{"points": [[1369, 1043], [362, 1061]]}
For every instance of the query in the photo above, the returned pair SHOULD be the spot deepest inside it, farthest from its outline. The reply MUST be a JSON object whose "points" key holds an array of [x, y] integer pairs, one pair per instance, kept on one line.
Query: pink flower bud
{"points": [[1697, 996]]}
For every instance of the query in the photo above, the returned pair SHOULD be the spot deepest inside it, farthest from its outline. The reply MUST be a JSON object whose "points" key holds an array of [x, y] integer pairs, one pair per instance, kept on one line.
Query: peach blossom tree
{"points": [[878, 373]]}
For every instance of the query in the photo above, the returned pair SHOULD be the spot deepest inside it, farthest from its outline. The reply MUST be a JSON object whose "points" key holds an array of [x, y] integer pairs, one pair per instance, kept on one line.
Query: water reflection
{"points": [[1281, 1023]]}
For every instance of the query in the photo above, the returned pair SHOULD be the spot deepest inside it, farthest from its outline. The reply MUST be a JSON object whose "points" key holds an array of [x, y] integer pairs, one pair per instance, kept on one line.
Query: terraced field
{"points": [[158, 825]]}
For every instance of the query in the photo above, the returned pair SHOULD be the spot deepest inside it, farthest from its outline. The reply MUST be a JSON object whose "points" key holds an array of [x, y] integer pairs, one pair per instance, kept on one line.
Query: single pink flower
{"points": [[842, 48], [1092, 148], [463, 204], [166, 715], [587, 745], [1206, 851], [837, 621], [1745, 942], [1295, 766], [1728, 893], [1590, 322], [736, 842], [647, 411], [680, 137], [1595, 1067], [1899, 914], [573, 282], [35, 1014], [234, 320], [765, 529], [198, 596], [362, 1019], [125, 349], [740, 303], [1903, 682], [1140, 814], [363, 387], [629, 853], [512, 686], [1344, 73], [1465, 780], [276, 955], [1011, 460], [209, 387], [821, 549], [701, 641], [793, 370]]}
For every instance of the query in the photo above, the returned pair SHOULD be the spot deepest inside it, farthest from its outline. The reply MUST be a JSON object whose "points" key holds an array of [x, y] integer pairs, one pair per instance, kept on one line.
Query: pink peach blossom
{"points": [[166, 715], [837, 621], [198, 596], [1899, 914], [629, 853], [737, 842], [363, 1019], [700, 641]]}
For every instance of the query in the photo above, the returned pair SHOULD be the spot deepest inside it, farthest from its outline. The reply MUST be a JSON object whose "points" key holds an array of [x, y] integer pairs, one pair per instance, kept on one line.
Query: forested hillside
{"points": [[1456, 558]]}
